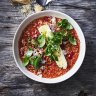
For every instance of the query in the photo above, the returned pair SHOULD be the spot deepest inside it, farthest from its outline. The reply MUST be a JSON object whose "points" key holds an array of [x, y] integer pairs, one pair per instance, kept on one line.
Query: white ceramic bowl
{"points": [[76, 65]]}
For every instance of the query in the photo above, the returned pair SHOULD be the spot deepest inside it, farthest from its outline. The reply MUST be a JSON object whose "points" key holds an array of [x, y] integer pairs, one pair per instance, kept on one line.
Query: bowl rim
{"points": [[60, 78]]}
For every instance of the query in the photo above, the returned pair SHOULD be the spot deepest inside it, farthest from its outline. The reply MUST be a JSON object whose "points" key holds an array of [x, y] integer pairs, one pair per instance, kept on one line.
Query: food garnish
{"points": [[51, 46], [38, 8], [53, 40]]}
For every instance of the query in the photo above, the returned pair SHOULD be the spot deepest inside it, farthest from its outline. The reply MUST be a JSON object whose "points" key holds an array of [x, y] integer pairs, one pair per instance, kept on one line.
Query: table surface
{"points": [[14, 83]]}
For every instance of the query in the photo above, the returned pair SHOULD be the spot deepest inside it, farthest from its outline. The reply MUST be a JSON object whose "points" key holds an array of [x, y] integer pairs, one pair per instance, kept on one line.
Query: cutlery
{"points": [[43, 2]]}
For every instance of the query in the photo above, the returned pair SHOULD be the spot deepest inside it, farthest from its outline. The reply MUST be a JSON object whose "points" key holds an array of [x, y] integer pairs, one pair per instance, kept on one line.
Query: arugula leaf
{"points": [[72, 40], [53, 45], [36, 61], [41, 40], [51, 48], [64, 33], [65, 24], [25, 61], [58, 38], [27, 57], [69, 27], [48, 51], [31, 60]]}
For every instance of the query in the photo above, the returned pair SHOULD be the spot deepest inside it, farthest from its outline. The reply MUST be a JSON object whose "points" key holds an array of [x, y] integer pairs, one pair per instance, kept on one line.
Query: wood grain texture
{"points": [[14, 83]]}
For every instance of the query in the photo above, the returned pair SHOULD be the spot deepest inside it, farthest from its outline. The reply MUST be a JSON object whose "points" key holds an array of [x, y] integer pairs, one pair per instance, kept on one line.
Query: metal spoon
{"points": [[43, 2]]}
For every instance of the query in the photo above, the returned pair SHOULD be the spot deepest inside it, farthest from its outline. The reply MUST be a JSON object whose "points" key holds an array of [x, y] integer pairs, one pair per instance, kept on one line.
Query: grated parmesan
{"points": [[26, 9], [62, 63], [38, 8]]}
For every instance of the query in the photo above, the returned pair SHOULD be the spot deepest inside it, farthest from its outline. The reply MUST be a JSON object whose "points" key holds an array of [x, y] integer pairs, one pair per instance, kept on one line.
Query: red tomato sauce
{"points": [[50, 68]]}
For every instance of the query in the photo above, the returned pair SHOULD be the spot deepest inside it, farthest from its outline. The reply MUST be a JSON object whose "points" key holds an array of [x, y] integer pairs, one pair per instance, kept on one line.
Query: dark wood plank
{"points": [[14, 83]]}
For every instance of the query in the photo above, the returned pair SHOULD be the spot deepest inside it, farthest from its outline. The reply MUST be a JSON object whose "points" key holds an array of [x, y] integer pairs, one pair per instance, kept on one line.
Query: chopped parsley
{"points": [[65, 24], [51, 45]]}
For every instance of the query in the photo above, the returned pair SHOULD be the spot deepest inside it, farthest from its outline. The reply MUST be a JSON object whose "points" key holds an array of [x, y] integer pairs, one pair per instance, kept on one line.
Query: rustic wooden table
{"points": [[14, 83]]}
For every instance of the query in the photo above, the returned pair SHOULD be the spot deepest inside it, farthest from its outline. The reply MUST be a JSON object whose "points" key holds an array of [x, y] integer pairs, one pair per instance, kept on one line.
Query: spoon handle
{"points": [[43, 2], [48, 1]]}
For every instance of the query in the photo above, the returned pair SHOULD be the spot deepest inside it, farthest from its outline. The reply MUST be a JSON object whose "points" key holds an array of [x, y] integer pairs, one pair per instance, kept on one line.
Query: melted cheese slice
{"points": [[45, 29], [62, 63]]}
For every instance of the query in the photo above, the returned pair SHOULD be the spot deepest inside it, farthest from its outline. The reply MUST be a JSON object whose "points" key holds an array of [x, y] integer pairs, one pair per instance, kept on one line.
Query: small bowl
{"points": [[76, 66]]}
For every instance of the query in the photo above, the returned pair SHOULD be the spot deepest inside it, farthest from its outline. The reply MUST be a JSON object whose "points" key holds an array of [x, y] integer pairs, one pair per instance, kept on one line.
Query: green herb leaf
{"points": [[64, 33], [25, 61], [72, 40], [65, 24], [31, 60], [54, 57], [36, 61], [53, 45], [69, 27], [59, 24], [58, 38], [48, 51], [41, 40], [27, 57]]}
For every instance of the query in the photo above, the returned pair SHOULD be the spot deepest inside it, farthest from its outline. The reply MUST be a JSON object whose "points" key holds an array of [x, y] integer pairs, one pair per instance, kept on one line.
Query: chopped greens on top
{"points": [[50, 42]]}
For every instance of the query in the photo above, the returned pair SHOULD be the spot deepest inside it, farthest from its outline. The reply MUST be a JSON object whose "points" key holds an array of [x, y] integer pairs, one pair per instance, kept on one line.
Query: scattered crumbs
{"points": [[26, 9], [28, 6], [38, 8]]}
